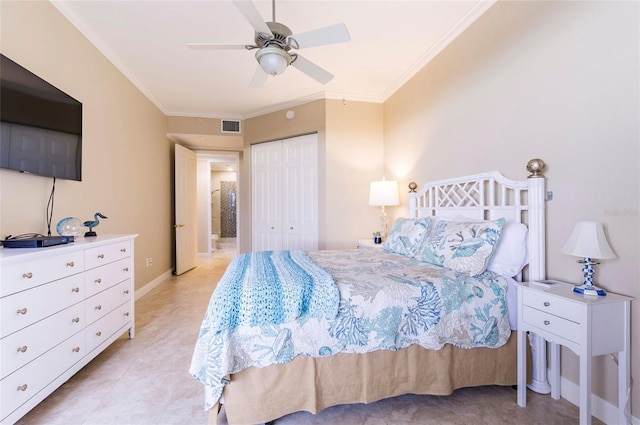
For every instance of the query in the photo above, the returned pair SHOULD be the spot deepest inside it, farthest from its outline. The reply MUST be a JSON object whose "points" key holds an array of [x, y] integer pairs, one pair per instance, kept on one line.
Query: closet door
{"points": [[266, 166], [300, 192], [285, 194]]}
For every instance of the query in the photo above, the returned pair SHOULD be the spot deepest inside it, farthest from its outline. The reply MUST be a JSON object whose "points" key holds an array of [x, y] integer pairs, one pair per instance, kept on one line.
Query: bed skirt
{"points": [[258, 395]]}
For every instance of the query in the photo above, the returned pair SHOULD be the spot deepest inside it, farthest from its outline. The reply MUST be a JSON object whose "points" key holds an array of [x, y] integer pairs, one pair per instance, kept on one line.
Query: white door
{"points": [[186, 225], [266, 224], [300, 192], [285, 194]]}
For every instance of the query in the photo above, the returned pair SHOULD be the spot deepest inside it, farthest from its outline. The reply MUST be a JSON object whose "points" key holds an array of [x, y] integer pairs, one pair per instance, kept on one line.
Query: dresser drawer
{"points": [[101, 330], [22, 276], [101, 278], [17, 388], [557, 306], [20, 348], [27, 307], [104, 302], [96, 257], [548, 322]]}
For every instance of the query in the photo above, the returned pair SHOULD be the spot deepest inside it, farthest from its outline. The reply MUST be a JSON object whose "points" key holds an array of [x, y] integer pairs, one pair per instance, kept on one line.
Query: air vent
{"points": [[229, 126]]}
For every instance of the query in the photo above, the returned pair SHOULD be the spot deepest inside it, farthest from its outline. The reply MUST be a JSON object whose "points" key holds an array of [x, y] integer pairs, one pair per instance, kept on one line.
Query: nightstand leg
{"points": [[624, 373], [522, 368], [555, 370], [585, 388]]}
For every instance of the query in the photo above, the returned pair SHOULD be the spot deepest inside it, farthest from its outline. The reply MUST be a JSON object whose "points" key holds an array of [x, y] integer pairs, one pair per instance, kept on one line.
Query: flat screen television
{"points": [[40, 125]]}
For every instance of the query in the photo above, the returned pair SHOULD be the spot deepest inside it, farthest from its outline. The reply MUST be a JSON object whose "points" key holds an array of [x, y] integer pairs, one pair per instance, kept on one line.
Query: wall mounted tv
{"points": [[40, 125]]}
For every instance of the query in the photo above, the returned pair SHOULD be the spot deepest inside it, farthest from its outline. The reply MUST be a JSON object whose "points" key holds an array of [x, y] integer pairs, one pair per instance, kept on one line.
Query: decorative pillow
{"points": [[511, 254], [465, 247], [406, 234]]}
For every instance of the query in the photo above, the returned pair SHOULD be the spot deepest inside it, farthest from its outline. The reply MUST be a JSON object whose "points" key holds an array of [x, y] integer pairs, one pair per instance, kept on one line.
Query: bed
{"points": [[431, 313]]}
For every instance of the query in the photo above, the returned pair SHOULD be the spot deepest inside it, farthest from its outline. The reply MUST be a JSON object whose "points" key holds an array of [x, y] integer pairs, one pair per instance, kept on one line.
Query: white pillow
{"points": [[511, 254]]}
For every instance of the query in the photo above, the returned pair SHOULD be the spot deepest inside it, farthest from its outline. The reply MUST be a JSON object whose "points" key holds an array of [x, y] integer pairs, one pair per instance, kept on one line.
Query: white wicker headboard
{"points": [[490, 196]]}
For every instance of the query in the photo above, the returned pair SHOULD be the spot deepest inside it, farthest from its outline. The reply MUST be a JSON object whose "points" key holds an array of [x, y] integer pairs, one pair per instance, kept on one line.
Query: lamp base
{"points": [[589, 290]]}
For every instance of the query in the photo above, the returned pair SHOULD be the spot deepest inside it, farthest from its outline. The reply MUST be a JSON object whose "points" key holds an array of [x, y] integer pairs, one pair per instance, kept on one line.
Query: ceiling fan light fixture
{"points": [[273, 60]]}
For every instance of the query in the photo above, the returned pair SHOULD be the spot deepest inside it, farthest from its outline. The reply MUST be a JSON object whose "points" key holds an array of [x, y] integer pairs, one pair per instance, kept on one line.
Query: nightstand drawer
{"points": [[551, 304], [550, 323]]}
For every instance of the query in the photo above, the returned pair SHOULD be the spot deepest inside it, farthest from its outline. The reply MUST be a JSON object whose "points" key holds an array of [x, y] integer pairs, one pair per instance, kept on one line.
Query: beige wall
{"points": [[127, 159], [555, 80], [350, 156]]}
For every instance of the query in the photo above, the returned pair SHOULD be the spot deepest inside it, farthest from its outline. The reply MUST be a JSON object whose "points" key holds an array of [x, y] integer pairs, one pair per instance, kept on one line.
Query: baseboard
{"points": [[149, 286], [600, 408]]}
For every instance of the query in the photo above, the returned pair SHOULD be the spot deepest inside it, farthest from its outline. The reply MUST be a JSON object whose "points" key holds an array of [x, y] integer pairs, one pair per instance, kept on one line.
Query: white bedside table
{"points": [[368, 244], [588, 325]]}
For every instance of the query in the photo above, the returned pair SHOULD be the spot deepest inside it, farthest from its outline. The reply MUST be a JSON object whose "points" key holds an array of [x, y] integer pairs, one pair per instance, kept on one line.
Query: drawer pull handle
{"points": [[98, 307], [22, 311], [71, 264], [28, 275], [98, 280], [75, 320], [22, 387], [126, 269], [22, 349], [123, 250], [76, 289], [76, 349], [101, 256], [546, 303], [98, 333], [126, 291], [547, 323], [127, 314]]}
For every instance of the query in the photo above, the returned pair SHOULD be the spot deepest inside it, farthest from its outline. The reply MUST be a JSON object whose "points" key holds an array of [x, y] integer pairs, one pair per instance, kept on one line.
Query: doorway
{"points": [[218, 196]]}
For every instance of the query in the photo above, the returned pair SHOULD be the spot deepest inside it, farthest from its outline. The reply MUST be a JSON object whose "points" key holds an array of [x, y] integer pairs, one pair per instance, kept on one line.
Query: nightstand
{"points": [[368, 244], [588, 325]]}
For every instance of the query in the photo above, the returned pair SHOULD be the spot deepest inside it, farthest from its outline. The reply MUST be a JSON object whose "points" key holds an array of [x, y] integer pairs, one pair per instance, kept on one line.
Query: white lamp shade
{"points": [[383, 193], [273, 60], [588, 241]]}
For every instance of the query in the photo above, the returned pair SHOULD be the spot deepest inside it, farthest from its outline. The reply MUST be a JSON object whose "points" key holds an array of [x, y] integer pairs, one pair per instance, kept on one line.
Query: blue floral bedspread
{"points": [[387, 301]]}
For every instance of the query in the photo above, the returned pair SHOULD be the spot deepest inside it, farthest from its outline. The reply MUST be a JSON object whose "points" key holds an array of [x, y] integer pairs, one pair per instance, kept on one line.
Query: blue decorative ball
{"points": [[70, 226]]}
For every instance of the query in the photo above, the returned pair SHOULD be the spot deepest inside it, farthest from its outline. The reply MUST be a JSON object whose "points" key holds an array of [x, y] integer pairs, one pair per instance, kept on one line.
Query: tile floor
{"points": [[145, 380]]}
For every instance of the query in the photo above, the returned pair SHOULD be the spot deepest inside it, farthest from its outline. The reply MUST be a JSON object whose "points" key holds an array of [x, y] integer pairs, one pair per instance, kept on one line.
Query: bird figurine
{"points": [[93, 223]]}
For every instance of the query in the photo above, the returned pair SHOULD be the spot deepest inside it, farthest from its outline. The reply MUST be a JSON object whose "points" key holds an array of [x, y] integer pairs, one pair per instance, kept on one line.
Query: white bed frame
{"points": [[489, 196]]}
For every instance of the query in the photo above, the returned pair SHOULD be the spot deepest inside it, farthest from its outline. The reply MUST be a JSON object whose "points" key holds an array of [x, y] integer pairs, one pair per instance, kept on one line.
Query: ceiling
{"points": [[146, 40]]}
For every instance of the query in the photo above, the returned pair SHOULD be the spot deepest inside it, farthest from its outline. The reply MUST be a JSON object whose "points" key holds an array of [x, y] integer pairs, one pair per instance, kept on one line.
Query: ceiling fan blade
{"points": [[215, 46], [328, 35], [251, 14], [312, 70], [258, 79]]}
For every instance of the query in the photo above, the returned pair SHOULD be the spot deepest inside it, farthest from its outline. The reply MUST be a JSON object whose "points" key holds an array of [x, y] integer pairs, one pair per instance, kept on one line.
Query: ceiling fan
{"points": [[274, 42]]}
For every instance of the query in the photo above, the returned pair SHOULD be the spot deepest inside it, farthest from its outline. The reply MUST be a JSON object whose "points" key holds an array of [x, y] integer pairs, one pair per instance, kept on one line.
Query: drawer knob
{"points": [[98, 307], [22, 387], [546, 303], [547, 323], [127, 314], [126, 291], [101, 256], [22, 311], [71, 264], [76, 349], [123, 250], [98, 280], [76, 289], [75, 320], [22, 349], [28, 275], [98, 333], [126, 269]]}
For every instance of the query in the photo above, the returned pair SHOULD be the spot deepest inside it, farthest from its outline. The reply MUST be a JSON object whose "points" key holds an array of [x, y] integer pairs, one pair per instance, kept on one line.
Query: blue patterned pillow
{"points": [[406, 234], [465, 247]]}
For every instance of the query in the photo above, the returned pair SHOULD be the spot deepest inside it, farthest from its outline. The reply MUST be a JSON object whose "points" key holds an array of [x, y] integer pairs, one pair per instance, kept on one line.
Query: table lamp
{"points": [[589, 242], [383, 193]]}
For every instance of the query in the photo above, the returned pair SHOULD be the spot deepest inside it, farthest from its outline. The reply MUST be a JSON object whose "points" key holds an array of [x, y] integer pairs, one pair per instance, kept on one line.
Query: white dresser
{"points": [[59, 308]]}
